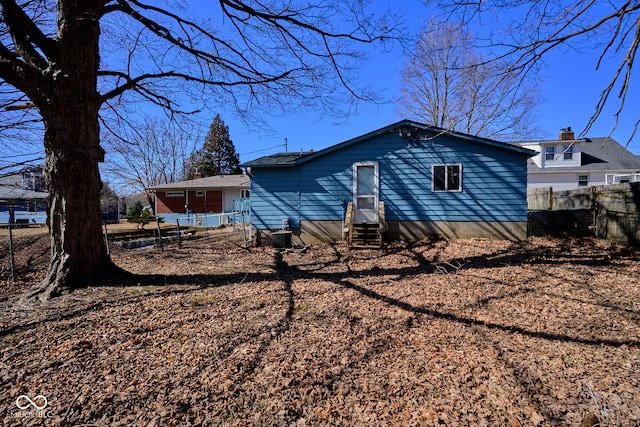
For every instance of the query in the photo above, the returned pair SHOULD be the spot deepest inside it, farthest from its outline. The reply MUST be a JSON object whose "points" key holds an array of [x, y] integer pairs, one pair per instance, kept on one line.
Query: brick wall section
{"points": [[166, 204], [210, 201]]}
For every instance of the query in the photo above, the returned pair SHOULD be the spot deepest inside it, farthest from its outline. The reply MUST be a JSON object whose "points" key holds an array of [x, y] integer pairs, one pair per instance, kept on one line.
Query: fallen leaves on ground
{"points": [[466, 332]]}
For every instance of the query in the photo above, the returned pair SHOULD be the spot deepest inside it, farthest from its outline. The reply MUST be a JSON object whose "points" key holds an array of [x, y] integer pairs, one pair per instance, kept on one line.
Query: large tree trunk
{"points": [[78, 253], [72, 147]]}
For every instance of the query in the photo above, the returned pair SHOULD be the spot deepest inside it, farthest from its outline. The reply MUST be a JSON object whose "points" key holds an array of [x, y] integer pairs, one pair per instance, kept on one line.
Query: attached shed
{"points": [[403, 181]]}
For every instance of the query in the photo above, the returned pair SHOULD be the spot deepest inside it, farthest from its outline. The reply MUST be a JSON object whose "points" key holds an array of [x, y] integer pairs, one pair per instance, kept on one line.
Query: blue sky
{"points": [[570, 89]]}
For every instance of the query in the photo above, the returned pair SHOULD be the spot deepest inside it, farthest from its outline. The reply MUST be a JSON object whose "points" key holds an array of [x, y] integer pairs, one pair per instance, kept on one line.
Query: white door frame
{"points": [[365, 200]]}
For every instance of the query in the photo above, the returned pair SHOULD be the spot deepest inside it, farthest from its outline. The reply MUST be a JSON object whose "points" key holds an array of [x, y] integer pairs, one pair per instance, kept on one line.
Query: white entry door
{"points": [[365, 191]]}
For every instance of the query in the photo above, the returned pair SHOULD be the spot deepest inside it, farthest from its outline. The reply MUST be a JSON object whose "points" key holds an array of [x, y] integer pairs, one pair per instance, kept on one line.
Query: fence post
{"points": [[179, 234], [244, 231], [106, 238], [159, 234], [11, 258]]}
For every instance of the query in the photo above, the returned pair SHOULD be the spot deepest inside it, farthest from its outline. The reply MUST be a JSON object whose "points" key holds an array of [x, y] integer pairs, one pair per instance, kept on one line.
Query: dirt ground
{"points": [[469, 332]]}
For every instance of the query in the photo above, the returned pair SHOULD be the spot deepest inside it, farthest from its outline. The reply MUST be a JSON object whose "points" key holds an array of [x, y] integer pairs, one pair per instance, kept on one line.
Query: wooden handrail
{"points": [[381, 217], [348, 219]]}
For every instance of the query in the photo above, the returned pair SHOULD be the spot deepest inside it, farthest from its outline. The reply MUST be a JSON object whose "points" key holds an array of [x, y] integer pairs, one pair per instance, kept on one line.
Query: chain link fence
{"points": [[618, 226], [615, 226], [575, 222]]}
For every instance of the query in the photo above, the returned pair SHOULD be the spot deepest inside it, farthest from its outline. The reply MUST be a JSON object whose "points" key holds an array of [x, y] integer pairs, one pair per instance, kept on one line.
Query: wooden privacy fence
{"points": [[609, 211]]}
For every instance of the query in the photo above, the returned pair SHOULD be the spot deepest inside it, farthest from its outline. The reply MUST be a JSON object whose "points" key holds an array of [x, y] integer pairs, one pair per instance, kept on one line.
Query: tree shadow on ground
{"points": [[518, 253]]}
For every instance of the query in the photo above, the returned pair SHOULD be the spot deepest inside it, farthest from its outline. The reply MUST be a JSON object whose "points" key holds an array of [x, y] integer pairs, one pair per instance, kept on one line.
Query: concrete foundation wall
{"points": [[311, 232], [416, 230]]}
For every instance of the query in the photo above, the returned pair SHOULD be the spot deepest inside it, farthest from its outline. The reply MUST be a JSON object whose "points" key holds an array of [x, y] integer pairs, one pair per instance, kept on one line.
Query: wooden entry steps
{"points": [[365, 234]]}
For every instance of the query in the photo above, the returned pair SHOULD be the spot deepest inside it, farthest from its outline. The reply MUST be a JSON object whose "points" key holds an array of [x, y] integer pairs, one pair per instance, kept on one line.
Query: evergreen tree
{"points": [[218, 154], [135, 210]]}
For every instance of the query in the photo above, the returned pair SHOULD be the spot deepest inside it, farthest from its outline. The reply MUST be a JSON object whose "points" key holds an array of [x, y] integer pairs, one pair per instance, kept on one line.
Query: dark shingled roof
{"points": [[278, 159], [598, 154]]}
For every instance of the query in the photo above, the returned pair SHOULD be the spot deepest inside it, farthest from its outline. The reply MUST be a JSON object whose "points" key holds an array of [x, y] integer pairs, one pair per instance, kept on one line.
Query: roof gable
{"points": [[406, 128]]}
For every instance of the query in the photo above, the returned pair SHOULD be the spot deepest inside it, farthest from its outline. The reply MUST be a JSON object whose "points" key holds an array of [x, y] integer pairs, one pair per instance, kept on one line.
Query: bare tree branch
{"points": [[534, 29], [149, 153], [26, 35], [447, 83], [82, 63]]}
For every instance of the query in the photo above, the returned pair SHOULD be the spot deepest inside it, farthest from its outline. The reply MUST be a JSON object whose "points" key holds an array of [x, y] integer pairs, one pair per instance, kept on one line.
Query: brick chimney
{"points": [[566, 134], [197, 175]]}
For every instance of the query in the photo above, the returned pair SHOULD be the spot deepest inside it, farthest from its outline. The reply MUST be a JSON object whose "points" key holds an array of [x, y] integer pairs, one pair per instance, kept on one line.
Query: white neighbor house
{"points": [[568, 163]]}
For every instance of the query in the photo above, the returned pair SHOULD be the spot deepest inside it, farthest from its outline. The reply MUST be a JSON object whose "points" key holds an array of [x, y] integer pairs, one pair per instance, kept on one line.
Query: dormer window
{"points": [[550, 153], [568, 152]]}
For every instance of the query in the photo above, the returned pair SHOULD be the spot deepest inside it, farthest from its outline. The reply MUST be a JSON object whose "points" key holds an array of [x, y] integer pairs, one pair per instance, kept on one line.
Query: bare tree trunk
{"points": [[59, 74], [78, 253], [72, 146]]}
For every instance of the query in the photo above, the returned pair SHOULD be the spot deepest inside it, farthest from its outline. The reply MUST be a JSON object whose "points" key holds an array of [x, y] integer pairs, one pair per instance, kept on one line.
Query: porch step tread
{"points": [[365, 232], [365, 235]]}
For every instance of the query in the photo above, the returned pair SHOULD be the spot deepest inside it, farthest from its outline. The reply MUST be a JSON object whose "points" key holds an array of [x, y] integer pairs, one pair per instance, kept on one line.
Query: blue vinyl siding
{"points": [[494, 183], [276, 197]]}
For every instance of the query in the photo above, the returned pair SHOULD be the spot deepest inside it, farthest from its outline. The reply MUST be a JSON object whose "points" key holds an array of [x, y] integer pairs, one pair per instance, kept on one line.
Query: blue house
{"points": [[403, 181]]}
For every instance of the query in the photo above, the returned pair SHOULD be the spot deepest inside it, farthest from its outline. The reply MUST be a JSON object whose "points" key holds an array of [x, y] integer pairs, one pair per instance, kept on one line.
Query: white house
{"points": [[23, 192], [568, 163]]}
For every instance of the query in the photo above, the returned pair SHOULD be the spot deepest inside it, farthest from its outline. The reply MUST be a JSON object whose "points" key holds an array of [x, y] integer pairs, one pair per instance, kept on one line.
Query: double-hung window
{"points": [[549, 153], [447, 177], [568, 152]]}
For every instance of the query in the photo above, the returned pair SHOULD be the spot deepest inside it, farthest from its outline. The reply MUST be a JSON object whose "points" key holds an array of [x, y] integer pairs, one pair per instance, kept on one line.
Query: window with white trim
{"points": [[549, 153], [583, 180], [447, 177], [200, 193], [568, 152], [174, 194]]}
